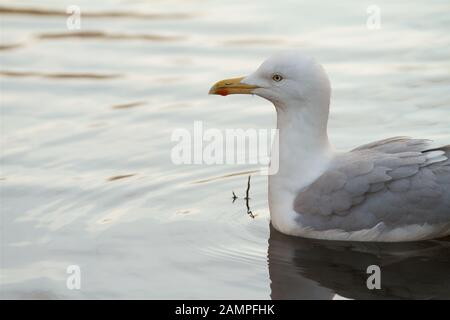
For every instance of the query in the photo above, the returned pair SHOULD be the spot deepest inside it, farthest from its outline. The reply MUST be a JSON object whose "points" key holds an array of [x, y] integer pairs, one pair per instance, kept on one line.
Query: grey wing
{"points": [[396, 145], [397, 181]]}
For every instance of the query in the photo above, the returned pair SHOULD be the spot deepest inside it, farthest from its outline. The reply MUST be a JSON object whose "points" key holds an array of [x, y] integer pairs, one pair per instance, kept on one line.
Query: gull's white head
{"points": [[288, 79]]}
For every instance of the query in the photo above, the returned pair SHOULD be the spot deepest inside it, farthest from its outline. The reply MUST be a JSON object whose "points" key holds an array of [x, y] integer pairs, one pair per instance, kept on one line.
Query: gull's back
{"points": [[399, 187]]}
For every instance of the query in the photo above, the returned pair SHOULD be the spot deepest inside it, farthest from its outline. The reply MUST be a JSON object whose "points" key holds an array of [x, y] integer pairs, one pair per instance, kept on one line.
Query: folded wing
{"points": [[397, 181]]}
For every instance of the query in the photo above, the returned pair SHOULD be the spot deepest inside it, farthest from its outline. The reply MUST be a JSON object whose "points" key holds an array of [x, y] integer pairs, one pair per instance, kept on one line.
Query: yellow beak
{"points": [[232, 86]]}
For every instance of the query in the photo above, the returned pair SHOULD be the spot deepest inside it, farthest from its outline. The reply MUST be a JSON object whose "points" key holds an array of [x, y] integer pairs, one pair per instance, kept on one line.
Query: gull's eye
{"points": [[277, 78]]}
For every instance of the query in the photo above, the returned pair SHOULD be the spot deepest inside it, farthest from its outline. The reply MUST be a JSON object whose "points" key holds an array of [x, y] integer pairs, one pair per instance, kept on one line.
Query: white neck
{"points": [[304, 154], [304, 148]]}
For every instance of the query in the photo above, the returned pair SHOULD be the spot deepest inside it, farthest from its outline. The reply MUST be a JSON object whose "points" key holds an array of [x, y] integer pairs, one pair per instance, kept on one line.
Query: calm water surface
{"points": [[86, 120]]}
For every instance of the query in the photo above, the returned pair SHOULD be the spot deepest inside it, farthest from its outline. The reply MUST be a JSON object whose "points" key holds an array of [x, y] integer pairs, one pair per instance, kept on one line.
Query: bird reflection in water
{"points": [[316, 269]]}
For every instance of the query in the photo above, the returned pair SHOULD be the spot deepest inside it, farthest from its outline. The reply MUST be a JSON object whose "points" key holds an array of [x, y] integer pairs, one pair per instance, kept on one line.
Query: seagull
{"points": [[392, 190]]}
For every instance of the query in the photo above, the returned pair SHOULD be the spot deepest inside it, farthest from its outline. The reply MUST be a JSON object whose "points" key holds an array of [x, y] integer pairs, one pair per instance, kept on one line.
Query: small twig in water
{"points": [[248, 188], [234, 196], [247, 198], [249, 212]]}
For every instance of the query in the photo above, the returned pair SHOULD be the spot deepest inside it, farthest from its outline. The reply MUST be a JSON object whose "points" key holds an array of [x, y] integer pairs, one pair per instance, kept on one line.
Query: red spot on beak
{"points": [[222, 92]]}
